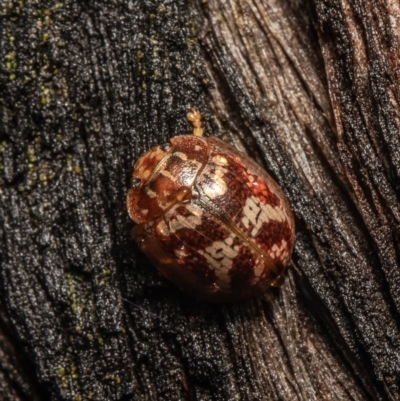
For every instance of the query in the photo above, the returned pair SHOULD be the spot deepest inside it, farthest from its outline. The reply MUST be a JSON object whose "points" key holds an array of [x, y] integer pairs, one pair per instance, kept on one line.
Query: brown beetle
{"points": [[211, 220]]}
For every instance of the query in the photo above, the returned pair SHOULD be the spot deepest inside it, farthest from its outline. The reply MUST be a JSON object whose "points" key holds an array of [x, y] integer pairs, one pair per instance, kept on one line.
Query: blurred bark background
{"points": [[309, 88]]}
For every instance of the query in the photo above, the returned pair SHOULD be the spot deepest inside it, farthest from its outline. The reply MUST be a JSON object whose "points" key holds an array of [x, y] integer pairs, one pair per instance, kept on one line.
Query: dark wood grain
{"points": [[307, 88]]}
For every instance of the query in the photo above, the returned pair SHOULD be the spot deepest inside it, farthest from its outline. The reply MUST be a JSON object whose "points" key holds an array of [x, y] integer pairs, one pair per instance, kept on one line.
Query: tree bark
{"points": [[310, 89]]}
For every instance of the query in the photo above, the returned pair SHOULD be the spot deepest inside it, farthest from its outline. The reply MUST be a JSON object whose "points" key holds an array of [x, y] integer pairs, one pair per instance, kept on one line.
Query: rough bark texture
{"points": [[309, 88]]}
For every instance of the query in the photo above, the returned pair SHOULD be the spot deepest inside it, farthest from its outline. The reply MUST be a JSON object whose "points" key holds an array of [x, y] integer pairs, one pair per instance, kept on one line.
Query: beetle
{"points": [[209, 218]]}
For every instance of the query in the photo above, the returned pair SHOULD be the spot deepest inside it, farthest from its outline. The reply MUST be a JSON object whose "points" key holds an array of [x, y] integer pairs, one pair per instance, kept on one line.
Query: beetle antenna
{"points": [[195, 118]]}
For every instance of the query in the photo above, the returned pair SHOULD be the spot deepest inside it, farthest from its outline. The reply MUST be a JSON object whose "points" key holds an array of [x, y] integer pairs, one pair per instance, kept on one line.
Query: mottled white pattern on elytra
{"points": [[285, 257], [215, 184], [195, 219], [229, 241], [220, 160], [181, 252], [258, 269], [162, 228], [196, 163], [175, 225], [181, 155], [278, 251], [151, 194], [219, 249], [168, 175], [164, 201], [257, 213], [220, 256], [190, 221], [195, 210]]}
